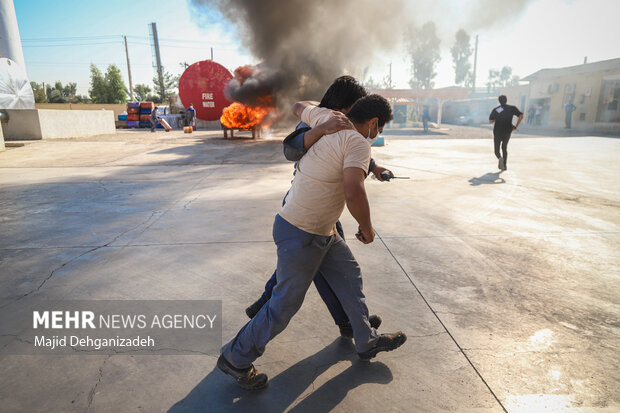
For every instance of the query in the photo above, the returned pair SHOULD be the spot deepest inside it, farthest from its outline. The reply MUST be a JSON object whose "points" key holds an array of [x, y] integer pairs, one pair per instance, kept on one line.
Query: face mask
{"points": [[372, 140]]}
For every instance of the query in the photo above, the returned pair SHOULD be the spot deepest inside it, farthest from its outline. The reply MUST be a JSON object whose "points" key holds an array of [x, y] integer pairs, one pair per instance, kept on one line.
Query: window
{"points": [[608, 108]]}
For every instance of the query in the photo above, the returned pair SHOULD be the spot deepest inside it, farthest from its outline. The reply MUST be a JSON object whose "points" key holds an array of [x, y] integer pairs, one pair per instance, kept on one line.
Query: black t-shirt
{"points": [[502, 115]]}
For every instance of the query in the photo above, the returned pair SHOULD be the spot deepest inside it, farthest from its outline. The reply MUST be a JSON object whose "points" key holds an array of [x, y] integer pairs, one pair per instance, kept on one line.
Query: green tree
{"points": [[109, 88], [56, 96], [141, 92], [423, 48], [371, 84], [168, 88], [117, 91], [62, 94], [69, 90], [98, 88], [152, 98], [499, 78], [81, 99], [39, 92], [461, 52]]}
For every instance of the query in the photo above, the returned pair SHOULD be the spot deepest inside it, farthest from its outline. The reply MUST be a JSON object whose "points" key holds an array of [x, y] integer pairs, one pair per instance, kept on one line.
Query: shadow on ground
{"points": [[218, 392], [488, 178]]}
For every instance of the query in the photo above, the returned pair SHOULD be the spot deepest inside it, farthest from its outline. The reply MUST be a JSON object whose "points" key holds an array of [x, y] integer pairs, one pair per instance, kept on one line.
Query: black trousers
{"points": [[501, 139]]}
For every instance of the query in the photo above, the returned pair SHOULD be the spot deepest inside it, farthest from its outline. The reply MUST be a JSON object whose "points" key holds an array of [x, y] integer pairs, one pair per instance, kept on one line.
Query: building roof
{"points": [[443, 93], [594, 67]]}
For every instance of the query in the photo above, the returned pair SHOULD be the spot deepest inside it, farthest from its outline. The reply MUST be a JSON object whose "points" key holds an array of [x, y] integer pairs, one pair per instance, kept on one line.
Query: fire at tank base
{"points": [[256, 131]]}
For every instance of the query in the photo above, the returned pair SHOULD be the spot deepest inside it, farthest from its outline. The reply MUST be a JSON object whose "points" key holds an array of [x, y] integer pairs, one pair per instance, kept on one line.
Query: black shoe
{"points": [[252, 310], [347, 331], [249, 379], [386, 342]]}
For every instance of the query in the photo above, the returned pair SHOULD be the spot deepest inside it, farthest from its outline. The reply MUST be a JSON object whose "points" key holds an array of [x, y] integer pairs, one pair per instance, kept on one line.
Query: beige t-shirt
{"points": [[316, 198]]}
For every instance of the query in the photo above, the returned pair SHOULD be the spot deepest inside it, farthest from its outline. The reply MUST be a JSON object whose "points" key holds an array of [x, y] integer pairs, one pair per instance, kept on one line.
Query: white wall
{"points": [[28, 124], [75, 123]]}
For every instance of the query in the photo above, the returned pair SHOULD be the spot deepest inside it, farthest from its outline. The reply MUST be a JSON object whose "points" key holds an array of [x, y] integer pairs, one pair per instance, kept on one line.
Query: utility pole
{"points": [[157, 62], [390, 86], [211, 54], [128, 69], [475, 66]]}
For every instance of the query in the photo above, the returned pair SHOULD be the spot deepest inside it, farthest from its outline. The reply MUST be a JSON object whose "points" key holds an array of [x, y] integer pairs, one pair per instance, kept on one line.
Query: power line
{"points": [[62, 39], [119, 36], [89, 63], [70, 44]]}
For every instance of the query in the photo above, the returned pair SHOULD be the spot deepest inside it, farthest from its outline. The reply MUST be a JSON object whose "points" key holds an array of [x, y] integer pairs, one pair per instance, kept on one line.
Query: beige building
{"points": [[594, 89]]}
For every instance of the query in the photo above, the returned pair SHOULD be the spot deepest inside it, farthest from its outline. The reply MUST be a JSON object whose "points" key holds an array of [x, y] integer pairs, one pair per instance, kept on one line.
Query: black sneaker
{"points": [[347, 331], [386, 342], [249, 379], [252, 310]]}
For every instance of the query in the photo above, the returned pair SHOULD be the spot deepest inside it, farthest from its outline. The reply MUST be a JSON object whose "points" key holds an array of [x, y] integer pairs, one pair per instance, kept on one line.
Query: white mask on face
{"points": [[372, 140]]}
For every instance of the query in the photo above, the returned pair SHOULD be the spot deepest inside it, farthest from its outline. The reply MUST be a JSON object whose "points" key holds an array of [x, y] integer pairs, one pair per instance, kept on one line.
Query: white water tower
{"points": [[15, 90]]}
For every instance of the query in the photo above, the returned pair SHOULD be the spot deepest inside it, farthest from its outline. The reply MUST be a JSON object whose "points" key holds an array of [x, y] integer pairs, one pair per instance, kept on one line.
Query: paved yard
{"points": [[507, 284]]}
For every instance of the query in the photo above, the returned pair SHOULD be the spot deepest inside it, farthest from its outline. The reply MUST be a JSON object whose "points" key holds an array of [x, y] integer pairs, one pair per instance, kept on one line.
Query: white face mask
{"points": [[372, 140]]}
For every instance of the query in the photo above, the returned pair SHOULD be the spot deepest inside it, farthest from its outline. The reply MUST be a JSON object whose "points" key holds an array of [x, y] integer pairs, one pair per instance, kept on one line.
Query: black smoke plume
{"points": [[305, 44]]}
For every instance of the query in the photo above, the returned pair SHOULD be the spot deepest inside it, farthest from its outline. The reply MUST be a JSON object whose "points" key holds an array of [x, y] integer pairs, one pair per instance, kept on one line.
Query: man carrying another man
{"points": [[340, 97], [330, 175]]}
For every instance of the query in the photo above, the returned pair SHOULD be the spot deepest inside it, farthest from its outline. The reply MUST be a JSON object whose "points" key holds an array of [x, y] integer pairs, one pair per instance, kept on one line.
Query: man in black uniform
{"points": [[501, 116]]}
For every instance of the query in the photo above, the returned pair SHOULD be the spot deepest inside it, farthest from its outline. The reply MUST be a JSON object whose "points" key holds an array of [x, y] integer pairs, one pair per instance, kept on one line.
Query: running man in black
{"points": [[501, 116]]}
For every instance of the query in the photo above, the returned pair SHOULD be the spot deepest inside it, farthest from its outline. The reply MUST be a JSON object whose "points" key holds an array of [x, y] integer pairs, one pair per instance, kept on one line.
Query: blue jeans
{"points": [[322, 286], [300, 256]]}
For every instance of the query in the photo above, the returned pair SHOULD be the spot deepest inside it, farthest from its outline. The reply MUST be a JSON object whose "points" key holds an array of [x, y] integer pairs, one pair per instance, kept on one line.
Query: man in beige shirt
{"points": [[330, 175]]}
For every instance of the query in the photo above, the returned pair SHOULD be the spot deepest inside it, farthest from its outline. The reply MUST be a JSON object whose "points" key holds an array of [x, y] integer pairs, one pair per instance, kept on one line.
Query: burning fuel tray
{"points": [[256, 131]]}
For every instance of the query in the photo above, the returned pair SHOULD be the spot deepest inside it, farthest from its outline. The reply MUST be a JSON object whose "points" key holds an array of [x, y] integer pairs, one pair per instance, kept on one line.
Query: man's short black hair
{"points": [[370, 107], [502, 99], [342, 93]]}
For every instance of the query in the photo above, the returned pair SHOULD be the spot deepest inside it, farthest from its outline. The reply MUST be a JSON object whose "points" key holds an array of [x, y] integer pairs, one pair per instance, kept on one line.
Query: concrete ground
{"points": [[507, 284]]}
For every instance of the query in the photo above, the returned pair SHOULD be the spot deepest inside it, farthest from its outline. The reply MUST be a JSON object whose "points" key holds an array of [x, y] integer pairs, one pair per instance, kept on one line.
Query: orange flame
{"points": [[240, 116]]}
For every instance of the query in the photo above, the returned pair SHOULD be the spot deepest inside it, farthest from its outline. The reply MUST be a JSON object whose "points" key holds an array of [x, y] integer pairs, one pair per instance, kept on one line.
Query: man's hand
{"points": [[518, 122], [357, 202], [377, 172], [336, 123], [365, 236]]}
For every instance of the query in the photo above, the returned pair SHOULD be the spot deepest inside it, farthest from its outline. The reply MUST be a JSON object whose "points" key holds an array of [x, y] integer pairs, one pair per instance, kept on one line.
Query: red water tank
{"points": [[203, 85]]}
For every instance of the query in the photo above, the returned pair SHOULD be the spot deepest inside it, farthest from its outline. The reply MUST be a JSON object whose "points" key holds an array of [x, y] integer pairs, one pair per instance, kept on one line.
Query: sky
{"points": [[62, 38]]}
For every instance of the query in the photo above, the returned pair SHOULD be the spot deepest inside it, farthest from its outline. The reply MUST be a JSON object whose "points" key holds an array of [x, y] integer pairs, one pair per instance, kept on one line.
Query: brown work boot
{"points": [[249, 379], [386, 342]]}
